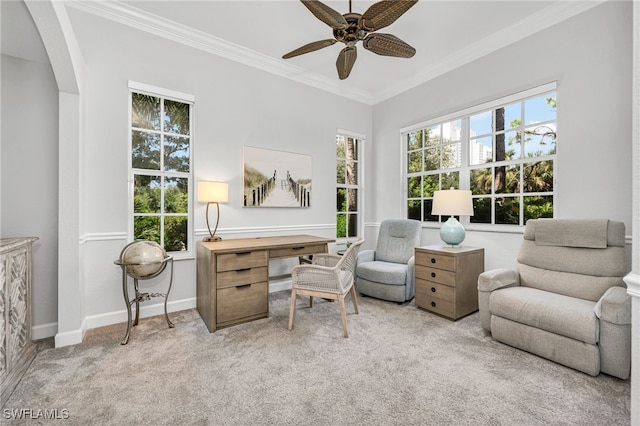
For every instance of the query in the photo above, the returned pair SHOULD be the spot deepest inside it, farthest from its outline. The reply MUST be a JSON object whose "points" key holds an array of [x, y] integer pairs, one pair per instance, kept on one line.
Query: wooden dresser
{"points": [[446, 279], [233, 275]]}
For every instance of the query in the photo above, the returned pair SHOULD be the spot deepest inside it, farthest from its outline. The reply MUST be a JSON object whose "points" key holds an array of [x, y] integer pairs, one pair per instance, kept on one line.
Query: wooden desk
{"points": [[233, 275]]}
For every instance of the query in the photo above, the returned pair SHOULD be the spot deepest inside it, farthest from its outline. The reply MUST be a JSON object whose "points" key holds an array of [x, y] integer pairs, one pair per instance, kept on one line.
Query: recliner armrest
{"points": [[366, 256], [614, 306], [498, 278]]}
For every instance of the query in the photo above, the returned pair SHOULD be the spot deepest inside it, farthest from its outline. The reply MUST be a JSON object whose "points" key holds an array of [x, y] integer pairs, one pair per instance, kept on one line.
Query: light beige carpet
{"points": [[400, 366]]}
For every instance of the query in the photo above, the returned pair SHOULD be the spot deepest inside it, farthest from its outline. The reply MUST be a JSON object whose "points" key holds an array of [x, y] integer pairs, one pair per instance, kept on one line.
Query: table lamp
{"points": [[452, 202], [213, 192]]}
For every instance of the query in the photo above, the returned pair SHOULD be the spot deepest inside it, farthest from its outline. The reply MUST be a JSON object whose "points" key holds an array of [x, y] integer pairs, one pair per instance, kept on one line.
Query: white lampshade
{"points": [[213, 192], [452, 202]]}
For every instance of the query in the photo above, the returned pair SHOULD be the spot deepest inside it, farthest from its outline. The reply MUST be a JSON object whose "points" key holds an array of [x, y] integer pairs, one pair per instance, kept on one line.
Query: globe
{"points": [[144, 259]]}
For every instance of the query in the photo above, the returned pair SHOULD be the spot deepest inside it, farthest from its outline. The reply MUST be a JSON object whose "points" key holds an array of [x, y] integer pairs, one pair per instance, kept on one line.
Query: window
{"points": [[160, 172], [348, 206], [503, 151]]}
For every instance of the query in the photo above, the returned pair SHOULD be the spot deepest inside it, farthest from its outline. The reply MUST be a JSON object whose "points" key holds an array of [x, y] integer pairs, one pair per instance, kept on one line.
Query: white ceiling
{"points": [[446, 34]]}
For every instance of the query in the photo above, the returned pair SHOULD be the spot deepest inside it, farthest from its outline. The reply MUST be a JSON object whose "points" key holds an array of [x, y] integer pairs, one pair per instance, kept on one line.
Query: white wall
{"points": [[593, 71], [235, 105], [29, 176]]}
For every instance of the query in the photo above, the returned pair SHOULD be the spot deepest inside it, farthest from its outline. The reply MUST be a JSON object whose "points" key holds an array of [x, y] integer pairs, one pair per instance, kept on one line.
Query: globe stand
{"points": [[130, 269]]}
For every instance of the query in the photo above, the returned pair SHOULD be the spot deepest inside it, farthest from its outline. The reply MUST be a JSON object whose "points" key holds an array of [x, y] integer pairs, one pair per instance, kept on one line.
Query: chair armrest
{"points": [[315, 277], [366, 256], [498, 278], [326, 259], [614, 306]]}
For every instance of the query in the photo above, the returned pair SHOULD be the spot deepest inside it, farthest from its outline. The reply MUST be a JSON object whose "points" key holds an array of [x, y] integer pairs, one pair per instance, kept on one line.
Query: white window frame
{"points": [[465, 168], [142, 88], [360, 138]]}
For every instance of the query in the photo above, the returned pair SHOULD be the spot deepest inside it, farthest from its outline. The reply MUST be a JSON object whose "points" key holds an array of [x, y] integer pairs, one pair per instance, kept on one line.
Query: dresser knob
{"points": [[433, 304], [433, 289], [433, 260], [433, 275]]}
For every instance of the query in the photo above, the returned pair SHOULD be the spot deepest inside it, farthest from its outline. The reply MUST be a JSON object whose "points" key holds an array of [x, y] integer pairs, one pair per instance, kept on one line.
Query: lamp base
{"points": [[209, 239], [452, 232]]}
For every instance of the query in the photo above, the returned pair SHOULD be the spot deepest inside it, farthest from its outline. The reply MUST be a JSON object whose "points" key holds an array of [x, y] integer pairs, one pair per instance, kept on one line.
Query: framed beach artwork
{"points": [[276, 178]]}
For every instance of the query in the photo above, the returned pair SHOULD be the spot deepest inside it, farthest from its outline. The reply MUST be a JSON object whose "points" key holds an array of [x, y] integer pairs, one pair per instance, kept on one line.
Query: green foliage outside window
{"points": [[511, 151], [160, 158], [347, 209]]}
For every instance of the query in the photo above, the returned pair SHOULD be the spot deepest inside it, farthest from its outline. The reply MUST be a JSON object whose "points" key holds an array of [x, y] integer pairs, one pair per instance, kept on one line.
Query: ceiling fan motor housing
{"points": [[355, 30]]}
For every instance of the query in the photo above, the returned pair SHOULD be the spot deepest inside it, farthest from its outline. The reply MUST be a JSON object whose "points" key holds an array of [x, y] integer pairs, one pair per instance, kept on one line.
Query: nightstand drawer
{"points": [[436, 260], [235, 303], [241, 276], [437, 275], [241, 260], [433, 304], [431, 289]]}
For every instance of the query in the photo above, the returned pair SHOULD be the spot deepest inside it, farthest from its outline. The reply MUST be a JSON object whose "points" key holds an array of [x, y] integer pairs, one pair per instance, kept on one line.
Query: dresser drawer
{"points": [[241, 276], [236, 303], [433, 304], [297, 251], [431, 289], [435, 260], [241, 260], [437, 275]]}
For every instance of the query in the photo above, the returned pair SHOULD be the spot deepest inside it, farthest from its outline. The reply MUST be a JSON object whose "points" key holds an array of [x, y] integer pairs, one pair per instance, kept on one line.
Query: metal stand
{"points": [[139, 297]]}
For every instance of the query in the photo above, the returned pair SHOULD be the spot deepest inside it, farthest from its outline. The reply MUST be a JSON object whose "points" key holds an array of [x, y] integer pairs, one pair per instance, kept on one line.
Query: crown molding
{"points": [[534, 23], [125, 14]]}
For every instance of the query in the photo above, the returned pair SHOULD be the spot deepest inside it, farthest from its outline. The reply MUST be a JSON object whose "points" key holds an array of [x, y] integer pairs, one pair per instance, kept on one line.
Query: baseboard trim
{"points": [[75, 337], [146, 311], [279, 284], [44, 331]]}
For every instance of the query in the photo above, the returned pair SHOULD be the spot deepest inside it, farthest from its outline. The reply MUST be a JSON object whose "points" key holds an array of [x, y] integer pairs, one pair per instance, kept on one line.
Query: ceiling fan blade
{"points": [[311, 47], [384, 13], [326, 14], [346, 59], [388, 45]]}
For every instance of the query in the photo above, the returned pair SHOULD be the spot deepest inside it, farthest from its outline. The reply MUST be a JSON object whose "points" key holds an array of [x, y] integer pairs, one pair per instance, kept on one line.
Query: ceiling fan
{"points": [[353, 27]]}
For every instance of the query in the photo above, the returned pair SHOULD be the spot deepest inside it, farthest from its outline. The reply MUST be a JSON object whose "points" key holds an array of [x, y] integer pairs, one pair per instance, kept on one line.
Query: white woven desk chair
{"points": [[330, 277]]}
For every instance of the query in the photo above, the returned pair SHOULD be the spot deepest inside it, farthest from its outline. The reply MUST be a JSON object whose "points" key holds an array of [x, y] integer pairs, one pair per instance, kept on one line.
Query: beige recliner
{"points": [[566, 301]]}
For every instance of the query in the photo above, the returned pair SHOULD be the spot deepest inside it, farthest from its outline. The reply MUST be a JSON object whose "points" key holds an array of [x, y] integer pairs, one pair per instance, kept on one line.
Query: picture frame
{"points": [[275, 178]]}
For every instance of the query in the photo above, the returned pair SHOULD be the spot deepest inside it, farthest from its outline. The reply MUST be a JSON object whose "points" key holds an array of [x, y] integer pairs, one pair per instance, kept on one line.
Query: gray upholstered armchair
{"points": [[566, 301], [388, 271]]}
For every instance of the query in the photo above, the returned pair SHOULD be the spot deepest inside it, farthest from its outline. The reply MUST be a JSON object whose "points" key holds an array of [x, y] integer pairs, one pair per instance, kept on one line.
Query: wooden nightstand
{"points": [[446, 279]]}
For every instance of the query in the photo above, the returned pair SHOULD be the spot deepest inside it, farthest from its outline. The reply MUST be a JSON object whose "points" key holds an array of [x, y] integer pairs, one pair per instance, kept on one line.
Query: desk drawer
{"points": [[435, 260], [235, 303], [439, 291], [436, 275], [297, 251], [241, 260], [241, 277]]}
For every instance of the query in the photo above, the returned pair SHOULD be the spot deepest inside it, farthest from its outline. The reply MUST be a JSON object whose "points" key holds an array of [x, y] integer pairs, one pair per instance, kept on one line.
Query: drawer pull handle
{"points": [[298, 248], [433, 260], [243, 270], [433, 304], [243, 286], [433, 289], [433, 275]]}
